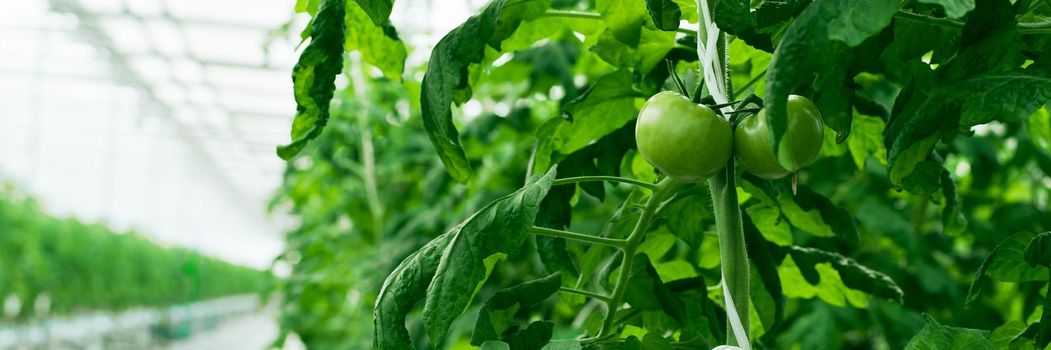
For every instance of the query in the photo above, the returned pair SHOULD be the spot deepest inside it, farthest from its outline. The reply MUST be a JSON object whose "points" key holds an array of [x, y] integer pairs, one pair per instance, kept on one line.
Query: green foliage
{"points": [[88, 267], [313, 77], [940, 156], [447, 71]]}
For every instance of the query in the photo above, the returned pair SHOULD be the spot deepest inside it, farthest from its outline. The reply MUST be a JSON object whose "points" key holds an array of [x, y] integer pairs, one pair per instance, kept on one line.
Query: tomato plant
{"points": [[501, 196]]}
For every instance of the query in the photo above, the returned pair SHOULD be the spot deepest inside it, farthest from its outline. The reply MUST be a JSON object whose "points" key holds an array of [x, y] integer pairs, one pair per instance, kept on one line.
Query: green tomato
{"points": [[685, 140], [800, 146]]}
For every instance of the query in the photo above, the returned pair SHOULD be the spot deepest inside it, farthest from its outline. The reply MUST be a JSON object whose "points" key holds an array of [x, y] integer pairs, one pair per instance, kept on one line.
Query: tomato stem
{"points": [[572, 180], [585, 293], [579, 237], [664, 190], [733, 255]]}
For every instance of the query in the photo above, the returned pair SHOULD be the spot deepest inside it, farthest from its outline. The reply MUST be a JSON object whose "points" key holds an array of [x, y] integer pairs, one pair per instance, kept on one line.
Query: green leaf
{"points": [[768, 221], [1006, 263], [533, 337], [647, 292], [499, 227], [840, 221], [821, 281], [1009, 263], [953, 218], [447, 73], [981, 83], [830, 27], [935, 336], [861, 20], [378, 10], [1002, 336], [606, 106], [688, 215], [866, 140], [314, 76], [666, 14], [624, 18], [953, 8], [1038, 253], [406, 285], [497, 315], [379, 44], [1009, 97], [855, 276], [759, 253]]}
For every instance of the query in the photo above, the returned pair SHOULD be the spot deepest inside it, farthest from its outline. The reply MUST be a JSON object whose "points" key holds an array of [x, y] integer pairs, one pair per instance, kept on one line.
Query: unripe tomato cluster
{"points": [[689, 142]]}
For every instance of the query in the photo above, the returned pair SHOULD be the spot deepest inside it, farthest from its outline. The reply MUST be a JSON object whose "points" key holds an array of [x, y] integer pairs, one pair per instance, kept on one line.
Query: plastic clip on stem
{"points": [[733, 256]]}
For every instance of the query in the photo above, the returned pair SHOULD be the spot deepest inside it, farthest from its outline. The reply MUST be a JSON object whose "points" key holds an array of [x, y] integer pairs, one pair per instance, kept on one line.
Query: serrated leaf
{"points": [[866, 140], [1038, 253], [314, 76], [379, 44], [837, 219], [666, 14], [533, 337], [447, 73], [499, 227], [935, 336], [821, 281], [402, 289], [647, 292], [606, 106], [861, 20], [854, 275], [624, 18], [688, 215], [981, 83], [1006, 263], [377, 10], [497, 315]]}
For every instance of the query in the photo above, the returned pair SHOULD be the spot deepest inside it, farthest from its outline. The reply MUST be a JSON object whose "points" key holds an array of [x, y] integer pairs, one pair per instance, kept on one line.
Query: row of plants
{"points": [[538, 187], [63, 266]]}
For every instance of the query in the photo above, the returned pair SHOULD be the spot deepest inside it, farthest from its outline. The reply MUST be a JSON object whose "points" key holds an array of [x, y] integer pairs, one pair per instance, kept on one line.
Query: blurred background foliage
{"points": [[62, 266]]}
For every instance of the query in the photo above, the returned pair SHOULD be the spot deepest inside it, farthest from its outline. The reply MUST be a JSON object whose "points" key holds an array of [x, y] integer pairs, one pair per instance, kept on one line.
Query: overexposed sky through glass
{"points": [[161, 116]]}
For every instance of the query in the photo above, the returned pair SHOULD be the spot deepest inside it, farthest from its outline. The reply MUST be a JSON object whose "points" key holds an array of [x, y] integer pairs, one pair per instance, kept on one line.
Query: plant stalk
{"points": [[733, 255], [665, 189]]}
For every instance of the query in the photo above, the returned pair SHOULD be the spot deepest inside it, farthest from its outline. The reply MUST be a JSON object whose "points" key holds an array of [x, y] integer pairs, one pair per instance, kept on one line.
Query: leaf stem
{"points": [[585, 293], [579, 237], [572, 14], [749, 84], [665, 189], [572, 180]]}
